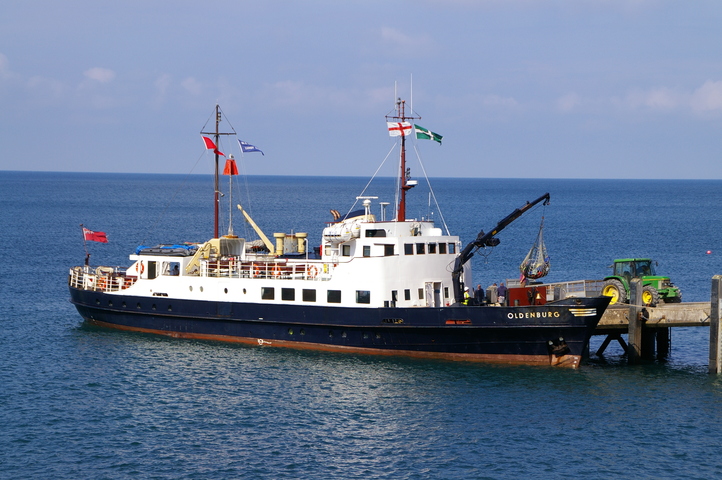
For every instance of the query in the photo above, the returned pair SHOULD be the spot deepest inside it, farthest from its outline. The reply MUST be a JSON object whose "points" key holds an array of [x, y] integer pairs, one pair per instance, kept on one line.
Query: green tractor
{"points": [[654, 288]]}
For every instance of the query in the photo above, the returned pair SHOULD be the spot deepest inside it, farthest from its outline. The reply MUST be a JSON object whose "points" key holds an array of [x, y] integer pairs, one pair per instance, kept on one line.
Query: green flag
{"points": [[426, 134]]}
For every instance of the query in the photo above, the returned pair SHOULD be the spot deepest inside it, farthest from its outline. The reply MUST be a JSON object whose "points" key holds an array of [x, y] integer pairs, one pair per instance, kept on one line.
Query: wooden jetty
{"points": [[648, 333]]}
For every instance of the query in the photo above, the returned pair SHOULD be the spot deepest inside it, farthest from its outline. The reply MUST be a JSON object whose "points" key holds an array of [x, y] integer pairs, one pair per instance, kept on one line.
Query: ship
{"points": [[395, 287]]}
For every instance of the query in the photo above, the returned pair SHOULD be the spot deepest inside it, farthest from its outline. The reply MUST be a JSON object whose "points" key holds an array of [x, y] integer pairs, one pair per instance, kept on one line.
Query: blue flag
{"points": [[247, 147]]}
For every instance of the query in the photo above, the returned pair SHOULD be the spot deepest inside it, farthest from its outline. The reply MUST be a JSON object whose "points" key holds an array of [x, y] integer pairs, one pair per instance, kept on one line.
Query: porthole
{"points": [[366, 335], [137, 306], [302, 332], [378, 336], [170, 308], [97, 302], [124, 305], [244, 291], [290, 331], [110, 303], [225, 290], [190, 287], [330, 334], [201, 289], [343, 335], [153, 306]]}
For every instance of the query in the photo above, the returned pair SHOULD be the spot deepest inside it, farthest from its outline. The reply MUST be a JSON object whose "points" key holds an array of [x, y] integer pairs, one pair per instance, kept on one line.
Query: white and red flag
{"points": [[211, 146], [399, 129]]}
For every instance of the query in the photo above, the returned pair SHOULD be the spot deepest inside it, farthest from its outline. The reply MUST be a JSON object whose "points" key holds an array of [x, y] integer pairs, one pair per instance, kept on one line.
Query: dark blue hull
{"points": [[555, 333]]}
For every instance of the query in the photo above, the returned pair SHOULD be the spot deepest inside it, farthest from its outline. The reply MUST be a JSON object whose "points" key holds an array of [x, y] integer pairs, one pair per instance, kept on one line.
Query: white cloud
{"points": [[568, 102], [705, 99], [400, 43], [708, 97], [99, 74], [192, 86], [162, 83], [45, 91], [5, 73]]}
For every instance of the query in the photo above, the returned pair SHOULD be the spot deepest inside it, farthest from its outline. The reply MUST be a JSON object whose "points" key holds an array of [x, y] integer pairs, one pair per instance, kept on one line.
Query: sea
{"points": [[82, 402]]}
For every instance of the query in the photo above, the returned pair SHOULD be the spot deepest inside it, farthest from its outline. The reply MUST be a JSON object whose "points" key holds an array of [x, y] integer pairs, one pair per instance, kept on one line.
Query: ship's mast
{"points": [[216, 188], [404, 184], [217, 193]]}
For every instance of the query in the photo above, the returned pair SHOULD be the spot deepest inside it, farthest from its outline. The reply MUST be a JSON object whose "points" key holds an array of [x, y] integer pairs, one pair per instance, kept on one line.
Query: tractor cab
{"points": [[630, 268]]}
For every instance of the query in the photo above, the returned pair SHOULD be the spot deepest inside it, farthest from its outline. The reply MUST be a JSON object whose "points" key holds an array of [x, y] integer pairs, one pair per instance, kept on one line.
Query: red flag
{"points": [[230, 168], [211, 146], [94, 236]]}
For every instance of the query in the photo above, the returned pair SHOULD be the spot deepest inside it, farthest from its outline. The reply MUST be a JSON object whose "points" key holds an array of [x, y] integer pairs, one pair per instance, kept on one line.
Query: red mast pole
{"points": [[401, 215], [403, 184]]}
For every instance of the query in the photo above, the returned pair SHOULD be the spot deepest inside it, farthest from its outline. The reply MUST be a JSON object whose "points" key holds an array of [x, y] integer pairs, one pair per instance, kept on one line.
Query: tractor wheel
{"points": [[614, 288], [650, 295]]}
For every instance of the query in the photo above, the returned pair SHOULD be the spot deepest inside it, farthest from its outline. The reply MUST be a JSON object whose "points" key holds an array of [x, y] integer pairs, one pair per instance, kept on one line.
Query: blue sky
{"points": [[518, 88]]}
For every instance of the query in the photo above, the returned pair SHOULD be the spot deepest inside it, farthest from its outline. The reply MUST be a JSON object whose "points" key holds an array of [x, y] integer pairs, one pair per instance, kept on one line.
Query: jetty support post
{"points": [[715, 344], [634, 334]]}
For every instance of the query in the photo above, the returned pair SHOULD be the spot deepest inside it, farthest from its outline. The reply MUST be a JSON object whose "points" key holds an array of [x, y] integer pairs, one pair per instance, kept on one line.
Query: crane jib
{"points": [[486, 240]]}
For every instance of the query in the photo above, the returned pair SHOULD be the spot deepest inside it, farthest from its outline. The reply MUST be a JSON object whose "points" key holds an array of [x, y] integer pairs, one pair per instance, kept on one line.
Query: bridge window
{"points": [[373, 232], [334, 296], [367, 250], [388, 250], [442, 248], [346, 250], [268, 293], [288, 294], [432, 248], [452, 248], [420, 248], [407, 294], [408, 248]]}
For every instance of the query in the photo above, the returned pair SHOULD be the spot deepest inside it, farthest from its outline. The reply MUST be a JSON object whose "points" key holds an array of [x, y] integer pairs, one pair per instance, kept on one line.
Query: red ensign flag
{"points": [[94, 236]]}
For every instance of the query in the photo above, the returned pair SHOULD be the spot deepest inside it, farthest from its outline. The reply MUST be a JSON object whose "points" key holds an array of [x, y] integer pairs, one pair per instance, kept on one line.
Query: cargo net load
{"points": [[536, 264]]}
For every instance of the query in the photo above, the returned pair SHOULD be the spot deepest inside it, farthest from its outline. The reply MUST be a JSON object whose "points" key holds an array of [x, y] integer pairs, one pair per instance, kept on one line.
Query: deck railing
{"points": [[262, 269], [114, 279], [104, 279]]}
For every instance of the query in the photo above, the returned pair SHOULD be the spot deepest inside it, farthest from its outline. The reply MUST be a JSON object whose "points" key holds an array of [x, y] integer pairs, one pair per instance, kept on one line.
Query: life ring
{"points": [[256, 271], [276, 270], [312, 271], [139, 267], [102, 283]]}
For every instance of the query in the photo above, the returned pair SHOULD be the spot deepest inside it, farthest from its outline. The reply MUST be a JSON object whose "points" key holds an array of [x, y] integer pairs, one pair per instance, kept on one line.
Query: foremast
{"points": [[404, 174]]}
